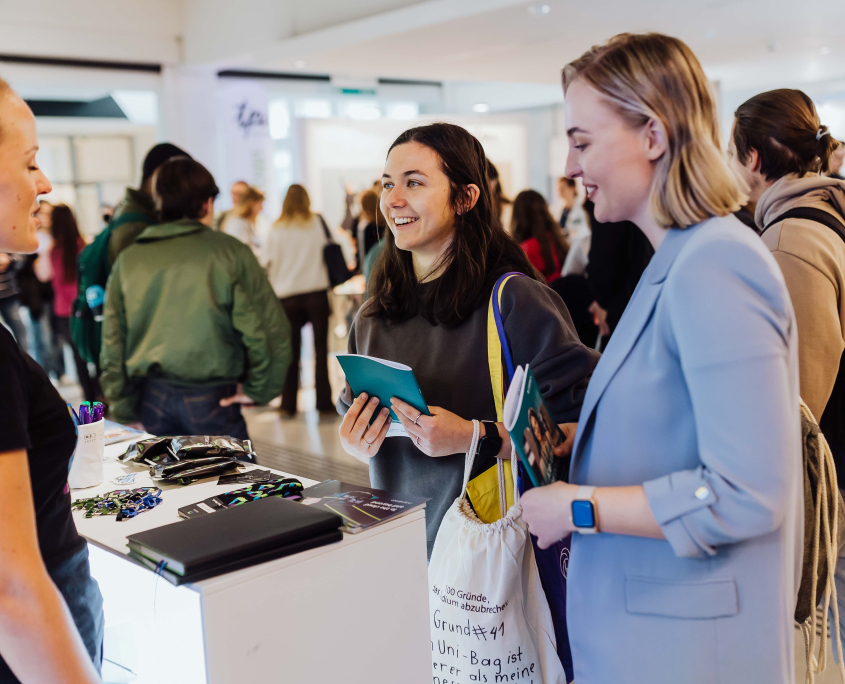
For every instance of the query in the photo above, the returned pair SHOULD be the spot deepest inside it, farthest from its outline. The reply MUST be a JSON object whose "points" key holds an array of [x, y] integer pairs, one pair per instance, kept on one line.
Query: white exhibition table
{"points": [[354, 611]]}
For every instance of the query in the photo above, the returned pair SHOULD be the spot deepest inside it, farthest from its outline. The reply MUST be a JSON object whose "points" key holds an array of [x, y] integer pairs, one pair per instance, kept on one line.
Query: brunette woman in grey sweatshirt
{"points": [[432, 284]]}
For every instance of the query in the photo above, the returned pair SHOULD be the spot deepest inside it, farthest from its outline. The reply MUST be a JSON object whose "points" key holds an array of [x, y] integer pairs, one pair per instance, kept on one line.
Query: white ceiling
{"points": [[742, 43]]}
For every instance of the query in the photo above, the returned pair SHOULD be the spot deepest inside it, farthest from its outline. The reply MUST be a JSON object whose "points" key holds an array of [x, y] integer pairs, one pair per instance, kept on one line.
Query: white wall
{"points": [[143, 137], [338, 152], [500, 96], [828, 96], [119, 30]]}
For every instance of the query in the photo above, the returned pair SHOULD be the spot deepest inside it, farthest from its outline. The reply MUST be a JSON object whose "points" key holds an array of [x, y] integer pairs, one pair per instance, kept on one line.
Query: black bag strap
{"points": [[812, 214], [830, 421], [326, 229]]}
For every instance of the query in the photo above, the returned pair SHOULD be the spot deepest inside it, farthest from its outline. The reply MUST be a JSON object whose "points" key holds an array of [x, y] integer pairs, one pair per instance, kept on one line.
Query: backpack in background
{"points": [[86, 315], [832, 421]]}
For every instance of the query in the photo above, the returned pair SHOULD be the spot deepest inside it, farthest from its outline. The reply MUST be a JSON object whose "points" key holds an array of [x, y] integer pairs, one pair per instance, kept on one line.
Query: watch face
{"points": [[491, 443], [489, 447], [582, 514]]}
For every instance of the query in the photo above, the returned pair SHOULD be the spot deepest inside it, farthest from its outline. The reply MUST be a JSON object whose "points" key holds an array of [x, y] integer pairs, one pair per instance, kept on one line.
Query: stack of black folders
{"points": [[235, 538]]}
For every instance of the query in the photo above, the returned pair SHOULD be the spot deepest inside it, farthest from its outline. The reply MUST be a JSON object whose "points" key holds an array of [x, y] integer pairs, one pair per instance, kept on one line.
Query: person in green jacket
{"points": [[189, 315], [137, 210]]}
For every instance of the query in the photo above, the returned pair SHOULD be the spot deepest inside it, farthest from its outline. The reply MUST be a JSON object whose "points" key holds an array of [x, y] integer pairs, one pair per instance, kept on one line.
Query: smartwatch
{"points": [[490, 444], [584, 511]]}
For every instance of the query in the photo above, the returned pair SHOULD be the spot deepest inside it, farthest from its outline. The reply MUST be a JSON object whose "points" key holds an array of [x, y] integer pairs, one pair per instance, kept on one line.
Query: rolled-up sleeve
{"points": [[732, 328]]}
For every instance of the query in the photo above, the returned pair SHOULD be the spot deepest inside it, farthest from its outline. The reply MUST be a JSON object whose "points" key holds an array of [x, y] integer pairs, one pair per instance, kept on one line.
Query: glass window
{"points": [[54, 158], [364, 110], [279, 114], [314, 109], [283, 168], [402, 111]]}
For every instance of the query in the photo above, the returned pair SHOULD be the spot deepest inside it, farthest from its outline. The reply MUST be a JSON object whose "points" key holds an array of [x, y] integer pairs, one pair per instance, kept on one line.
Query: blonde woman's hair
{"points": [[297, 205], [251, 197], [652, 76]]}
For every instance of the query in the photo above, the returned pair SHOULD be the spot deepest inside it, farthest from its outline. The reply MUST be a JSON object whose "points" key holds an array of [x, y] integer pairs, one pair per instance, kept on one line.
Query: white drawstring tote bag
{"points": [[490, 621]]}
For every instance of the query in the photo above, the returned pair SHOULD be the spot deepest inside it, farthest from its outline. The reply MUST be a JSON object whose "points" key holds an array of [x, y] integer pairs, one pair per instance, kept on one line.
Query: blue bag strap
{"points": [[500, 325]]}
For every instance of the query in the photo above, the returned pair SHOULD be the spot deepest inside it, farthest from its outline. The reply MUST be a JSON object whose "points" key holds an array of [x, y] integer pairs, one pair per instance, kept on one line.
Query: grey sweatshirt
{"points": [[453, 372]]}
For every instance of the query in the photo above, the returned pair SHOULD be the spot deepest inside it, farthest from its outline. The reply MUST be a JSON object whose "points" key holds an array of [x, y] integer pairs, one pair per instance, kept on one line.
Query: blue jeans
{"points": [[170, 410], [82, 595], [41, 350]]}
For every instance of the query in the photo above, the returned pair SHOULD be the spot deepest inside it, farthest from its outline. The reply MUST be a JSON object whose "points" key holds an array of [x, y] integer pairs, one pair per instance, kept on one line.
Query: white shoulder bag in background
{"points": [[490, 621]]}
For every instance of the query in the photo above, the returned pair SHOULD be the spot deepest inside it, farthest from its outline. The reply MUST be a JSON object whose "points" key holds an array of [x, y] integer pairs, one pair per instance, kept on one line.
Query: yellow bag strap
{"points": [[494, 354], [490, 488]]}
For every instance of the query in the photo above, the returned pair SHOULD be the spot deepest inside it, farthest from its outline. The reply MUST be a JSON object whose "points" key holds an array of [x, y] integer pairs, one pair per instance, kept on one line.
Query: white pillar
{"points": [[188, 116]]}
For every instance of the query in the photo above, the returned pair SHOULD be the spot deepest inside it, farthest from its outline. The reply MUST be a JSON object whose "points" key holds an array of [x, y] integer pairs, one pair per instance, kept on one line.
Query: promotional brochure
{"points": [[115, 432], [533, 431], [385, 380], [287, 488], [360, 507]]}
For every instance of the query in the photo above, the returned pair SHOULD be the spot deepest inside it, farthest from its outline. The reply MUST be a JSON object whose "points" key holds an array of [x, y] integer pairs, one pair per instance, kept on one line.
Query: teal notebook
{"points": [[534, 433], [385, 380]]}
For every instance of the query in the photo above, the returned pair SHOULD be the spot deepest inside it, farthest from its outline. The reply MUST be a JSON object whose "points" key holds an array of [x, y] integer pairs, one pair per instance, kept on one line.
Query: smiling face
{"points": [[415, 200], [21, 181], [614, 160]]}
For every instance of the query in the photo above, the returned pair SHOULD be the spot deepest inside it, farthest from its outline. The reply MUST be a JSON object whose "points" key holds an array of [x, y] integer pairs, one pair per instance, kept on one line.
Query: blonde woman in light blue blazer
{"points": [[686, 472]]}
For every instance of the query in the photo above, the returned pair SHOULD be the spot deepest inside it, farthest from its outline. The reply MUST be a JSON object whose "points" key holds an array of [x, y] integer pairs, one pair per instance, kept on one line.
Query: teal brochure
{"points": [[385, 380], [533, 431]]}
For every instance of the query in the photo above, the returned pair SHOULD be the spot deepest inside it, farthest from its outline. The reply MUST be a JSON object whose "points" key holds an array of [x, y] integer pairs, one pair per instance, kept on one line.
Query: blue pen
{"points": [[73, 414]]}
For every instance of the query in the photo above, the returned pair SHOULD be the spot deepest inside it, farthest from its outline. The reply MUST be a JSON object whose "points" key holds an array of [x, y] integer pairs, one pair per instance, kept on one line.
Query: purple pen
{"points": [[84, 414], [99, 410]]}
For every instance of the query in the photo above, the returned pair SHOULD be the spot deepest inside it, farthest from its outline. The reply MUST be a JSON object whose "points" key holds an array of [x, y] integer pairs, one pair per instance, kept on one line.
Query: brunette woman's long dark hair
{"points": [[480, 251], [66, 238], [531, 219]]}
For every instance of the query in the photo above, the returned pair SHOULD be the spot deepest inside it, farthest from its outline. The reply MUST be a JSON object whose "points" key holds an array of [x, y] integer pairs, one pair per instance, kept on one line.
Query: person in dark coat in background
{"points": [[366, 232], [619, 253], [37, 296], [10, 305]]}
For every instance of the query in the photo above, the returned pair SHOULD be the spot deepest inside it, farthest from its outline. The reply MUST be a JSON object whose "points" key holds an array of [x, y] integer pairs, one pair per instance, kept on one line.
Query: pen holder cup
{"points": [[86, 467]]}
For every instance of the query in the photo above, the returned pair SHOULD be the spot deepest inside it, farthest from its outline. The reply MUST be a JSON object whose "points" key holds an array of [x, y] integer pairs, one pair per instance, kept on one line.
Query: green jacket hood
{"points": [[137, 201], [171, 230]]}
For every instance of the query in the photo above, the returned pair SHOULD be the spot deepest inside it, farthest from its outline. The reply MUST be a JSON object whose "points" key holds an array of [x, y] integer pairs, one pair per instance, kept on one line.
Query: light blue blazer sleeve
{"points": [[738, 377]]}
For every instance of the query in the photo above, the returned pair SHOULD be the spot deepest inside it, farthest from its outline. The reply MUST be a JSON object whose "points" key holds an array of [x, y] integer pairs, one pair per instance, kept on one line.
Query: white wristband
{"points": [[584, 492]]}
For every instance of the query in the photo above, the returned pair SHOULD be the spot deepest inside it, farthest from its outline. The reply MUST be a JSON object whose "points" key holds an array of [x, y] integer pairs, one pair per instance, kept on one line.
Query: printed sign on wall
{"points": [[244, 111]]}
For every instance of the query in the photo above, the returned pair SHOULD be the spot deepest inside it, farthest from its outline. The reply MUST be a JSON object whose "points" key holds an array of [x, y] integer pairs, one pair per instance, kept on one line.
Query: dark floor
{"points": [[306, 445]]}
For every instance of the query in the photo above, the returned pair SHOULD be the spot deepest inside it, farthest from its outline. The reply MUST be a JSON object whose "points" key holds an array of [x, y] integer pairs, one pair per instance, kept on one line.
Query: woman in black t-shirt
{"points": [[51, 610]]}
